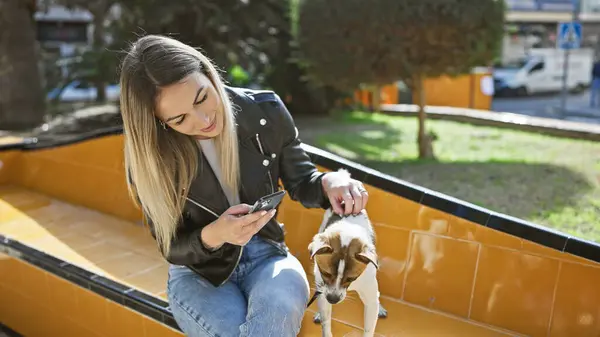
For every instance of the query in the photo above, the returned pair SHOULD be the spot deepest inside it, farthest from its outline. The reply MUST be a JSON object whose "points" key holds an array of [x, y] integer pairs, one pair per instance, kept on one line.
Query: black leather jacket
{"points": [[269, 150]]}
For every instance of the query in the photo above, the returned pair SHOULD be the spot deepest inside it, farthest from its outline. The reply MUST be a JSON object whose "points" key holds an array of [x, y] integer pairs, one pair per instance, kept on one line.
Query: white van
{"points": [[542, 71]]}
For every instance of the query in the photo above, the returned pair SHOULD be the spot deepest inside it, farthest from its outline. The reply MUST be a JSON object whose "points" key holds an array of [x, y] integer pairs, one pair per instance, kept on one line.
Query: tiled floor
{"points": [[125, 252]]}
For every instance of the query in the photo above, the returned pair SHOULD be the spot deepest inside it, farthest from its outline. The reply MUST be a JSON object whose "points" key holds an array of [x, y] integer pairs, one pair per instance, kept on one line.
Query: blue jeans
{"points": [[265, 296]]}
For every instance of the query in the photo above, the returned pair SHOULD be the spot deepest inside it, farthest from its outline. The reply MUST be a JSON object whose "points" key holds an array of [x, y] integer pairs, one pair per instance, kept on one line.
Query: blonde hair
{"points": [[160, 164]]}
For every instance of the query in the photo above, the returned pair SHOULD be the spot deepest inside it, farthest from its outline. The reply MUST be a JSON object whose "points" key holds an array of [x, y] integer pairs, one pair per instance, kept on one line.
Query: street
{"points": [[549, 106]]}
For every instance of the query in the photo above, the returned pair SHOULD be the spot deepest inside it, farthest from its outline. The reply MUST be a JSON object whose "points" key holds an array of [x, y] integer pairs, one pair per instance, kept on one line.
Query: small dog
{"points": [[345, 260]]}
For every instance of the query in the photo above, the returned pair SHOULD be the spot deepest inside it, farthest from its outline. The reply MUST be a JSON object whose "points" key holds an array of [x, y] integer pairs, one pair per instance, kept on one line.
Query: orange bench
{"points": [[75, 259]]}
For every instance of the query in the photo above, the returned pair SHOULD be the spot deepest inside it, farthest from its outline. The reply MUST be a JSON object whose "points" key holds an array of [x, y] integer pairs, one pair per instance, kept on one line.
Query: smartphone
{"points": [[268, 202]]}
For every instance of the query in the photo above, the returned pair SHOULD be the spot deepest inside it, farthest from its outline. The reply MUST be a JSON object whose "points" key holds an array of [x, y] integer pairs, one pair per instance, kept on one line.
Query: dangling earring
{"points": [[164, 126]]}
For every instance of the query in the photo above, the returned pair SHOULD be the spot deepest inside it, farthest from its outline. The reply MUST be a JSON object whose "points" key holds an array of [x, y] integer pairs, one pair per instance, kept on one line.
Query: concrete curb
{"points": [[547, 126]]}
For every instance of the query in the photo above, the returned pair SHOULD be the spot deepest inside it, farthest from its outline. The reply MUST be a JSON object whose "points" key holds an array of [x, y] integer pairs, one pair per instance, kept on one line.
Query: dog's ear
{"points": [[319, 246], [367, 256]]}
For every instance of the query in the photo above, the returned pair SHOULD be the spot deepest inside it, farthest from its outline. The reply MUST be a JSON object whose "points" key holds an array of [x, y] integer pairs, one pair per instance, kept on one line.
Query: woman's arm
{"points": [[299, 175], [186, 246]]}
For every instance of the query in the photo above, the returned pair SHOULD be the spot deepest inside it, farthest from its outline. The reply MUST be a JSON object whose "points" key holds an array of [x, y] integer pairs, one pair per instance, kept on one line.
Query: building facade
{"points": [[534, 24]]}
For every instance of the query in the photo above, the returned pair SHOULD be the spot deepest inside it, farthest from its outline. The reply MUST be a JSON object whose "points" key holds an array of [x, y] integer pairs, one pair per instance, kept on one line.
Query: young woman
{"points": [[197, 154]]}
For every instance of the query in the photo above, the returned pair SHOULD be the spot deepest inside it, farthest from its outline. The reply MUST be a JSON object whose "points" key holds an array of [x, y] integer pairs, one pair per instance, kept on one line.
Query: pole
{"points": [[564, 94]]}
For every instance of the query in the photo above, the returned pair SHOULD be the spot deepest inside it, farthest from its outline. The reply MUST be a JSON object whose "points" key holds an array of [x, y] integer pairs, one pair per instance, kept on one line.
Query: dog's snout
{"points": [[333, 298]]}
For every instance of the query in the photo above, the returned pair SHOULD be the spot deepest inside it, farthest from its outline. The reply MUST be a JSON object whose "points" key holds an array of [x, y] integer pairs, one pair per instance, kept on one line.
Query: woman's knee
{"points": [[202, 310], [284, 307]]}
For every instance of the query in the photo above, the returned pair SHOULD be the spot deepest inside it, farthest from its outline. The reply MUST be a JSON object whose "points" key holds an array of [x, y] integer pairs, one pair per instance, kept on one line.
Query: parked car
{"points": [[542, 72]]}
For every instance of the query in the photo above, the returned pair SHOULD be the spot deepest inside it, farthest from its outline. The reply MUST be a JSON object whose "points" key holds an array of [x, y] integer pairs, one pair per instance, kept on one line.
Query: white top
{"points": [[210, 152]]}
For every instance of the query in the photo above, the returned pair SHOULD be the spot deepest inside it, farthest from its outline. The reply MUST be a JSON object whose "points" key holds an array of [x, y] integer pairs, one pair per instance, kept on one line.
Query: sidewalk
{"points": [[545, 125]]}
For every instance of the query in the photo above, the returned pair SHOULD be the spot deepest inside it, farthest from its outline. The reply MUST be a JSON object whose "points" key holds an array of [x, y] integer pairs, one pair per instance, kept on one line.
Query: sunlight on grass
{"points": [[550, 181], [340, 150]]}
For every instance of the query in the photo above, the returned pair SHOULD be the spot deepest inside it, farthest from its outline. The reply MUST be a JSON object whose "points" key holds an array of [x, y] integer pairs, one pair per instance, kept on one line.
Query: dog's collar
{"points": [[317, 293]]}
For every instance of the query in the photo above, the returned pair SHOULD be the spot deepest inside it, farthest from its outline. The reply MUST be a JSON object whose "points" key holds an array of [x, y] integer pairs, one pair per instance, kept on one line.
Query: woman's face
{"points": [[191, 107]]}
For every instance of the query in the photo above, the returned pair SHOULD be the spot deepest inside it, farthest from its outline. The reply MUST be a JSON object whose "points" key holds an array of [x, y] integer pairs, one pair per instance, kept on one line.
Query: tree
{"points": [[230, 32], [287, 74], [353, 42], [22, 104]]}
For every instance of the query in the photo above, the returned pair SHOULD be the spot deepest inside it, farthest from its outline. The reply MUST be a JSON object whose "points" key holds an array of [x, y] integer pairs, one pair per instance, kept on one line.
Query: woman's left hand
{"points": [[346, 195]]}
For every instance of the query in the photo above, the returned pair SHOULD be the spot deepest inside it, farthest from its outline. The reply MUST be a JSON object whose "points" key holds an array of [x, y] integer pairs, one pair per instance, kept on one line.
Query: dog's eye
{"points": [[350, 279], [325, 274]]}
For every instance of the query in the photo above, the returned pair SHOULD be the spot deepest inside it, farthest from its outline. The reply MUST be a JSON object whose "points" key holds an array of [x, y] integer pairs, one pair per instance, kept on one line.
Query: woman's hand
{"points": [[235, 226], [340, 188]]}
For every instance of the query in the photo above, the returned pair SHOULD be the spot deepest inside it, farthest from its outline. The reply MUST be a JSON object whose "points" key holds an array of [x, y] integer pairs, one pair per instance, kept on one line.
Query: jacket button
{"points": [[263, 121], [266, 162], [273, 155]]}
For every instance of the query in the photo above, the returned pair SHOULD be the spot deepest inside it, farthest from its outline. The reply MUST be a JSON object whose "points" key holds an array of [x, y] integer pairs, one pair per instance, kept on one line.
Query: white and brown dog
{"points": [[345, 259]]}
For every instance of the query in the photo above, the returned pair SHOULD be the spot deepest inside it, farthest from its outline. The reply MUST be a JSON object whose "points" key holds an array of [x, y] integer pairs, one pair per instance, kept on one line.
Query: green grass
{"points": [[550, 181]]}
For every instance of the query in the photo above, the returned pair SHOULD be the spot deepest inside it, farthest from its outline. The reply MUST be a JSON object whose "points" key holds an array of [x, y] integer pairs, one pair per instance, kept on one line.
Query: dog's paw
{"points": [[382, 312], [317, 318]]}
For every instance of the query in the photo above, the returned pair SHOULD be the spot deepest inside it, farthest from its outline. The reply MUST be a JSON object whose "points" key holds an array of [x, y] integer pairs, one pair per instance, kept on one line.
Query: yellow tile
{"points": [[22, 312], [103, 153], [72, 328], [300, 229], [78, 241], [514, 290], [581, 260], [121, 267], [105, 228], [432, 221], [403, 320], [34, 167], [441, 272], [54, 247], [123, 321], [24, 201], [91, 310], [8, 169], [62, 295], [577, 303], [491, 237], [8, 189], [9, 271], [392, 249], [390, 209], [101, 252], [14, 309], [154, 329], [463, 229], [310, 329], [153, 281], [23, 230], [48, 323], [535, 248], [32, 283]]}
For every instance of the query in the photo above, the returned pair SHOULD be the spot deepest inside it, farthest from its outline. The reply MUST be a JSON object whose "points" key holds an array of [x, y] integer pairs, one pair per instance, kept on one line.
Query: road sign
{"points": [[569, 35]]}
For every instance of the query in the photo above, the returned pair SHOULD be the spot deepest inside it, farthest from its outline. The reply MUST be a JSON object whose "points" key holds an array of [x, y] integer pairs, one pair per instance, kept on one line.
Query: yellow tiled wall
{"points": [[43, 305], [429, 258], [441, 262], [8, 165], [89, 173]]}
